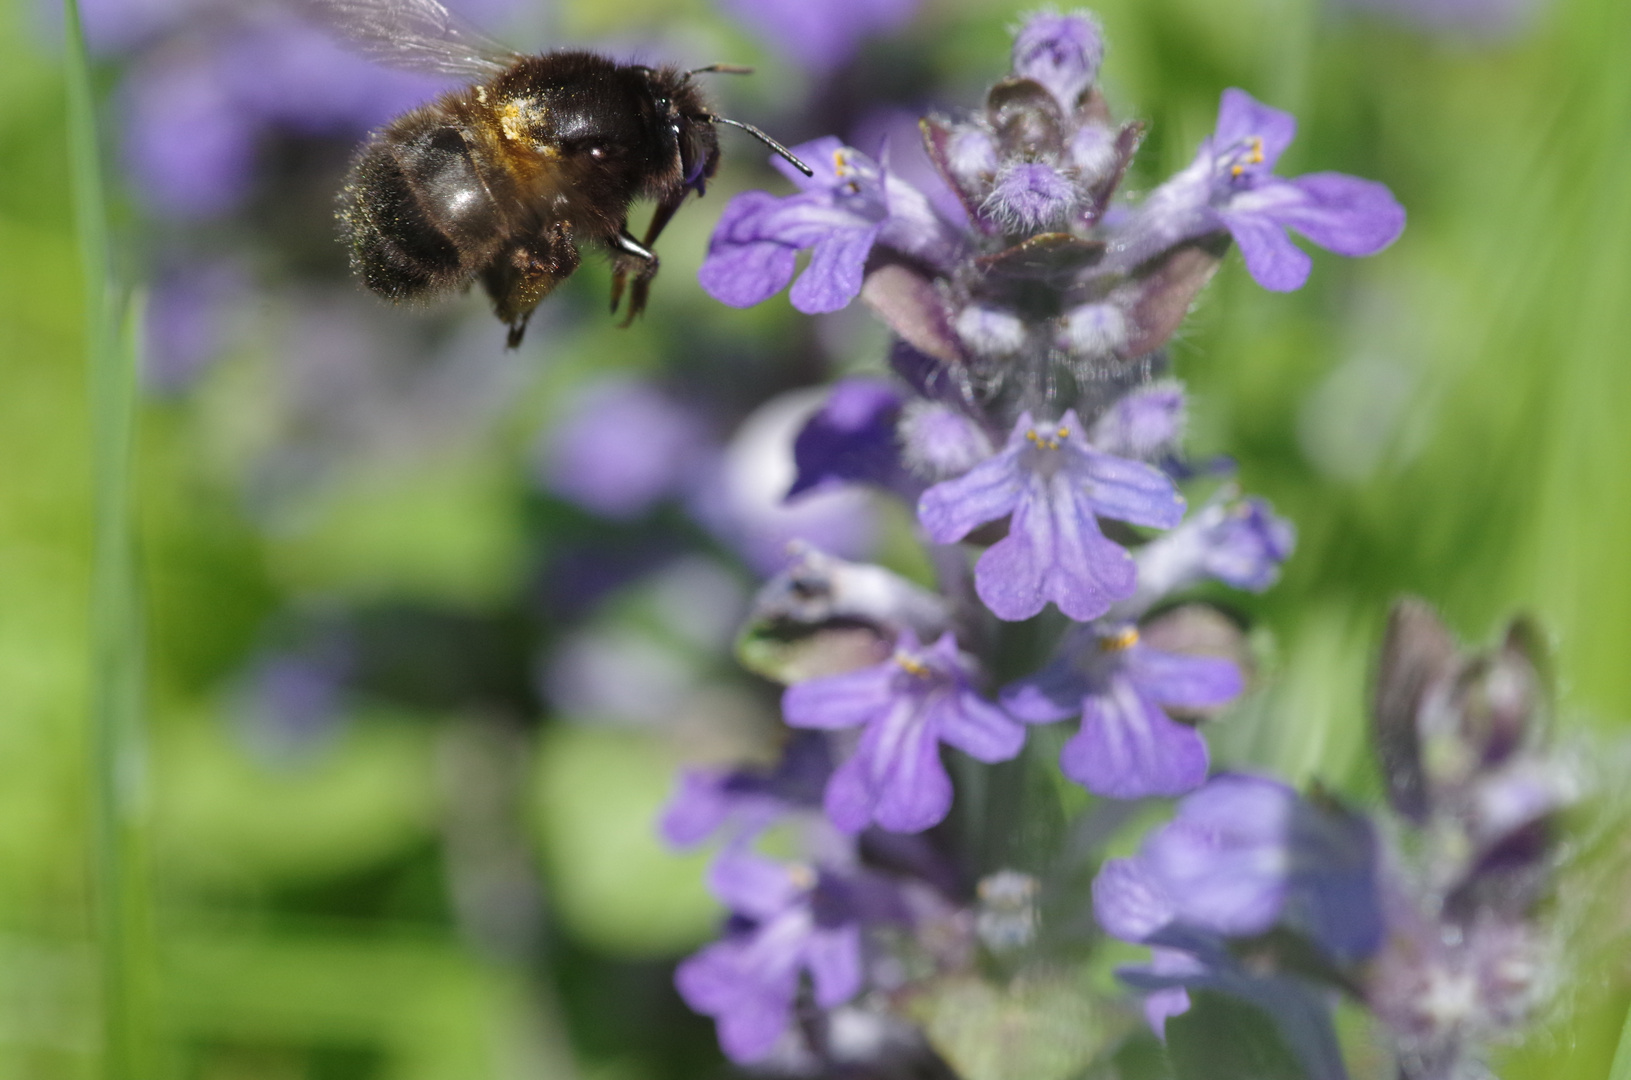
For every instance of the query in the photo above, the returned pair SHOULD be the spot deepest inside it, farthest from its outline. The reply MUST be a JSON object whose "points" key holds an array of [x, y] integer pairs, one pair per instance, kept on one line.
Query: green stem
{"points": [[120, 896]]}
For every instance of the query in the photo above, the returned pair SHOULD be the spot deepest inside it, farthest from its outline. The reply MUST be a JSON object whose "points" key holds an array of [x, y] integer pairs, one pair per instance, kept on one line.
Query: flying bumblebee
{"points": [[506, 178]]}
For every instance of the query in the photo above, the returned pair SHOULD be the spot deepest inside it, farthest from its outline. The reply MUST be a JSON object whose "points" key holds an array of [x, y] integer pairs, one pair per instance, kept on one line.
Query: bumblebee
{"points": [[505, 179]]}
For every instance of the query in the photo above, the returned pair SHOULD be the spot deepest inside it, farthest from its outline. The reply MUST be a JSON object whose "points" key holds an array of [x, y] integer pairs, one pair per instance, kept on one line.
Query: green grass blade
{"points": [[1621, 1069], [123, 923]]}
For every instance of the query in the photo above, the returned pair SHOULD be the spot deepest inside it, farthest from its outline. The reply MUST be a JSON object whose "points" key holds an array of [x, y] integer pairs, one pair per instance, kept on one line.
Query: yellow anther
{"points": [[801, 876], [1120, 641], [912, 666], [1044, 443], [840, 162], [1064, 432]]}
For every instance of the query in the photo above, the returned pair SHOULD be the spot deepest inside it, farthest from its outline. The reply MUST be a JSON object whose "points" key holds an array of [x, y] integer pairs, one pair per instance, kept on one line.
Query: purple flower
{"points": [[794, 918], [820, 34], [1062, 52], [1128, 747], [840, 212], [187, 146], [908, 705], [1243, 854], [851, 439], [746, 800], [623, 446], [1230, 186], [1056, 487], [1240, 543]]}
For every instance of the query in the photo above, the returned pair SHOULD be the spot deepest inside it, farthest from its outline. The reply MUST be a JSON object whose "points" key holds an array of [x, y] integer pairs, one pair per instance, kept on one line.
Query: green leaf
{"points": [[1220, 1038]]}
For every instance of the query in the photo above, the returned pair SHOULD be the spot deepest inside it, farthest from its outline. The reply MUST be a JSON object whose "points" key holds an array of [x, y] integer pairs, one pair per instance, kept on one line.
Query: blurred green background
{"points": [[1448, 418]]}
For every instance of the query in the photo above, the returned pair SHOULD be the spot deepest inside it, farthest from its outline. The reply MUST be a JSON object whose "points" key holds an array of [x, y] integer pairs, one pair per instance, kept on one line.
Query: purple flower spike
{"points": [[1128, 747], [851, 439], [1062, 52], [1231, 185], [908, 705], [748, 982], [1056, 487], [840, 212]]}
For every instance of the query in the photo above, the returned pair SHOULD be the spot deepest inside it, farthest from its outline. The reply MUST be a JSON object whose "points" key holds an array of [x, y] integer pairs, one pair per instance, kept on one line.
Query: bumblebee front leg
{"points": [[631, 251]]}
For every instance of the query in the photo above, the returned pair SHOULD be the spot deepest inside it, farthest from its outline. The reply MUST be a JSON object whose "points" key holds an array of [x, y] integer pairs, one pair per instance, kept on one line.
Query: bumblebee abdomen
{"points": [[415, 212]]}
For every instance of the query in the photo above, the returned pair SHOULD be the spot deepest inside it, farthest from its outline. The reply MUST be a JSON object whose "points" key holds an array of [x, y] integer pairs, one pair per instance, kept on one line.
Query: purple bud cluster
{"points": [[1034, 430]]}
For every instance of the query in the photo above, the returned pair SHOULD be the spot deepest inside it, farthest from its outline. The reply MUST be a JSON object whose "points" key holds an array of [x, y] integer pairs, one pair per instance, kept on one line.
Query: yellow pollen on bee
{"points": [[481, 94], [801, 876], [514, 118], [912, 666], [1120, 641]]}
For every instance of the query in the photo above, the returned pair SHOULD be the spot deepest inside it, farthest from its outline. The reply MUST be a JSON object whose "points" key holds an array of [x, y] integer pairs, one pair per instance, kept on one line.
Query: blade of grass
{"points": [[1621, 1069], [123, 925]]}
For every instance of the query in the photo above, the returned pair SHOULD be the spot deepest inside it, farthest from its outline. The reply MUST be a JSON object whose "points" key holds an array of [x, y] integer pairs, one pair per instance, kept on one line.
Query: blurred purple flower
{"points": [[851, 439], [1231, 186], [741, 495], [188, 312], [1243, 854], [623, 446], [908, 705], [189, 149], [1056, 487], [290, 701], [847, 206], [1128, 747], [793, 918], [745, 801], [820, 34]]}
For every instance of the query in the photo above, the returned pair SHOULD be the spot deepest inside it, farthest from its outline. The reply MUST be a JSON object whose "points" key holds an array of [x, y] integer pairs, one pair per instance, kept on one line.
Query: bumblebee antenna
{"points": [[721, 69], [781, 150]]}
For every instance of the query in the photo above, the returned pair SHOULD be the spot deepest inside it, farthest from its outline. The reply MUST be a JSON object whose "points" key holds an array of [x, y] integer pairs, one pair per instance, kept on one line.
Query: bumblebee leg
{"points": [[629, 250], [526, 272]]}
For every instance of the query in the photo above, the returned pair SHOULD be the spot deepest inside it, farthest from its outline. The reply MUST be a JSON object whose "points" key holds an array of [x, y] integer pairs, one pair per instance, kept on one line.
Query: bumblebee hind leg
{"points": [[526, 272]]}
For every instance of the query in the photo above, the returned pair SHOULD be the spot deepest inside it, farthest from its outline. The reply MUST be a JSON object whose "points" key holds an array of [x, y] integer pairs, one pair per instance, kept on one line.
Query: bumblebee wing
{"points": [[415, 35]]}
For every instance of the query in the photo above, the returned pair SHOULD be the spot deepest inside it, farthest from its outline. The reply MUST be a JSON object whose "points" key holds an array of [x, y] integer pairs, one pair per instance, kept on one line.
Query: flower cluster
{"points": [[1426, 915], [1034, 429]]}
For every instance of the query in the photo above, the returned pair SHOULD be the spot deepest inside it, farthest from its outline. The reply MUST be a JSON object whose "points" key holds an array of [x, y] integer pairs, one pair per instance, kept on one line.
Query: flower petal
{"points": [[1271, 258], [841, 701], [1344, 214], [1184, 682], [902, 761], [1129, 902], [850, 797], [833, 956], [1129, 491], [1054, 693], [1054, 551], [1129, 749], [752, 884], [836, 271], [1241, 116], [951, 510], [975, 726]]}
